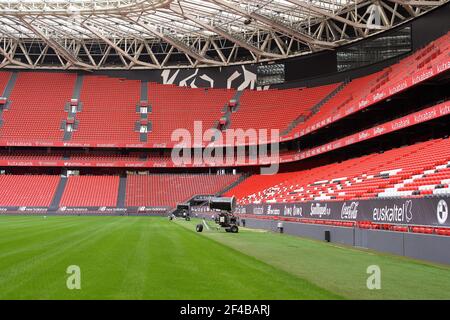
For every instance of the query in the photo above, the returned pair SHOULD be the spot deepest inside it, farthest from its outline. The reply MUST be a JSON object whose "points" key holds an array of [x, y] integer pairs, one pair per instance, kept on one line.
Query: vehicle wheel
{"points": [[189, 219], [199, 228], [234, 229]]}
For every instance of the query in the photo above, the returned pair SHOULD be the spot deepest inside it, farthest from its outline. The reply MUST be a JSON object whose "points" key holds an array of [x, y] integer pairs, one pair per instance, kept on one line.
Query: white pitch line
{"points": [[205, 224]]}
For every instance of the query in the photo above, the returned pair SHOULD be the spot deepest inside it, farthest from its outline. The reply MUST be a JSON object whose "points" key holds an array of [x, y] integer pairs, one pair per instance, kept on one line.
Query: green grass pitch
{"points": [[153, 258]]}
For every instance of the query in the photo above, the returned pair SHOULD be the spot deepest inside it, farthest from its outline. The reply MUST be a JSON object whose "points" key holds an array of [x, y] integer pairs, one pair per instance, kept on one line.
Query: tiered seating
{"points": [[27, 155], [257, 184], [4, 78], [178, 107], [37, 107], [349, 94], [86, 191], [415, 170], [417, 179], [109, 111], [109, 116], [167, 190], [276, 109], [91, 156], [104, 156], [358, 89], [27, 190]]}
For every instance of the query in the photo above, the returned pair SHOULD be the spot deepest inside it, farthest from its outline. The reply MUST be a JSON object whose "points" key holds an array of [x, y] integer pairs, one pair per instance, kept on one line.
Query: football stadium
{"points": [[225, 150]]}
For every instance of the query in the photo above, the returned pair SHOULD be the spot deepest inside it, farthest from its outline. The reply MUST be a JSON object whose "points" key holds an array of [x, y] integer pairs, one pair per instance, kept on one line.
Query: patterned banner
{"points": [[432, 211]]}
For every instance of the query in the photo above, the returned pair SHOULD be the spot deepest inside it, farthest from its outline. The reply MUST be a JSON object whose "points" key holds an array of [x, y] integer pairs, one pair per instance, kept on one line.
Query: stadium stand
{"points": [[346, 96], [27, 190], [105, 156], [4, 78], [164, 190], [109, 111], [176, 107], [169, 189], [86, 191], [108, 114], [417, 170], [257, 108], [358, 89], [37, 107], [89, 158], [27, 155]]}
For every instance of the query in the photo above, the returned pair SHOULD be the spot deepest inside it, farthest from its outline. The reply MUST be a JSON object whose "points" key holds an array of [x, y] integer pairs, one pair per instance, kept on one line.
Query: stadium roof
{"points": [[125, 34]]}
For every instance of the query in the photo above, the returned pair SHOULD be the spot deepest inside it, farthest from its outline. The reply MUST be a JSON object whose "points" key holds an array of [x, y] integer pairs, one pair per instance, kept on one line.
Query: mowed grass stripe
{"points": [[134, 258], [339, 269], [31, 231], [45, 258]]}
